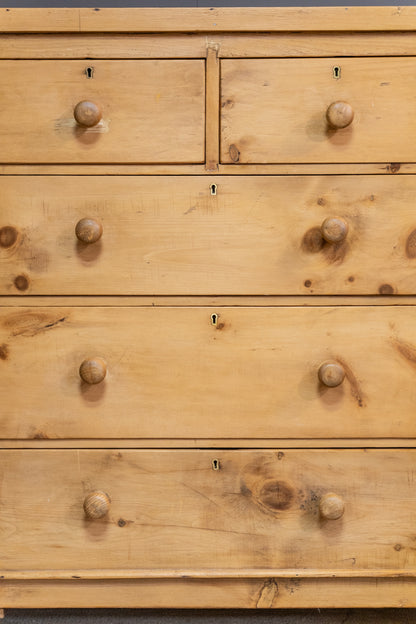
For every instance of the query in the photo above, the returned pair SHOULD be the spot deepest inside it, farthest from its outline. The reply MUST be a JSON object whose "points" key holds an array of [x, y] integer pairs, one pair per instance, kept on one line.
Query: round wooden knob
{"points": [[93, 370], [331, 374], [87, 114], [331, 506], [334, 229], [339, 115], [97, 505], [88, 230]]}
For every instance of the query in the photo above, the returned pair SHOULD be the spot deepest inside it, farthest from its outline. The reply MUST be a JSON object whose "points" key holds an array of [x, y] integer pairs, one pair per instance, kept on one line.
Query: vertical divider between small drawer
{"points": [[212, 110]]}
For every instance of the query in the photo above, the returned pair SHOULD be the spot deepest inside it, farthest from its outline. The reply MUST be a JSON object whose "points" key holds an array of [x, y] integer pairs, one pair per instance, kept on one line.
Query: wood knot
{"points": [[4, 352], [411, 245], [21, 282], [8, 236], [234, 153], [267, 594], [276, 495], [393, 167], [386, 289], [227, 103]]}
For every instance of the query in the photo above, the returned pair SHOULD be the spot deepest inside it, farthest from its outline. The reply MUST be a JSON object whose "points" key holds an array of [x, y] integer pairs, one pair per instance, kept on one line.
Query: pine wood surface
{"points": [[250, 45], [171, 510], [241, 19], [258, 235], [262, 121], [383, 169], [152, 111], [207, 443], [141, 313], [182, 301], [294, 593], [172, 373]]}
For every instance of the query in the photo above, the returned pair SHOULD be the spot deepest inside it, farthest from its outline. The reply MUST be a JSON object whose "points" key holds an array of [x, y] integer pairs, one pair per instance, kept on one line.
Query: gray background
{"points": [[141, 616]]}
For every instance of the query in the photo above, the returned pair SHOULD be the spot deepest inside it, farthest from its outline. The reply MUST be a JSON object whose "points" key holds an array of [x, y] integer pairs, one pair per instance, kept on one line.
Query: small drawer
{"points": [[203, 235], [318, 110], [70, 513], [227, 373], [148, 111]]}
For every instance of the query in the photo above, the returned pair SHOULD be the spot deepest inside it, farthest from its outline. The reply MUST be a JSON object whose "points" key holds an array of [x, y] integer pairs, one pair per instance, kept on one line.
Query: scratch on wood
{"points": [[30, 323], [61, 320], [268, 593]]}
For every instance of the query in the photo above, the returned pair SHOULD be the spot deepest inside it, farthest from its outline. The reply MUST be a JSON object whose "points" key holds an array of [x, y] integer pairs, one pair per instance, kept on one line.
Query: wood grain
{"points": [[153, 111], [171, 511], [113, 46], [212, 111], [212, 443], [384, 169], [170, 236], [136, 46], [199, 593], [208, 574], [242, 19], [262, 123], [315, 44], [172, 373], [221, 301], [139, 310]]}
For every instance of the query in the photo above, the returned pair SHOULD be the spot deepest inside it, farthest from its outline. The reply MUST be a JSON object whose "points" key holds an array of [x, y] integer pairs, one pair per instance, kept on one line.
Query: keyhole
{"points": [[215, 464], [89, 72], [336, 72], [214, 319], [213, 189]]}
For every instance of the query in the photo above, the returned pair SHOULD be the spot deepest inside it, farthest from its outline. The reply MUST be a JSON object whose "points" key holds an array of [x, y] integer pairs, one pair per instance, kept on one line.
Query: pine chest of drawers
{"points": [[207, 321]]}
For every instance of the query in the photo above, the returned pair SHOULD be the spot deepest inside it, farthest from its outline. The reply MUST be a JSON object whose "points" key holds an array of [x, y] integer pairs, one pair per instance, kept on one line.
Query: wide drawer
{"points": [[170, 512], [170, 235], [108, 372], [152, 111], [275, 110]]}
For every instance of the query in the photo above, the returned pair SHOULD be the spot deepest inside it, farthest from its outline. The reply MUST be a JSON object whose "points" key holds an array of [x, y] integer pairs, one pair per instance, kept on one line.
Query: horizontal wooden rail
{"points": [[244, 19], [234, 573]]}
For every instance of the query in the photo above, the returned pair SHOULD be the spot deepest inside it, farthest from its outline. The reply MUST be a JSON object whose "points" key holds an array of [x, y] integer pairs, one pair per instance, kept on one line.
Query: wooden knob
{"points": [[331, 374], [334, 229], [97, 505], [87, 114], [93, 370], [331, 506], [88, 230], [339, 115]]}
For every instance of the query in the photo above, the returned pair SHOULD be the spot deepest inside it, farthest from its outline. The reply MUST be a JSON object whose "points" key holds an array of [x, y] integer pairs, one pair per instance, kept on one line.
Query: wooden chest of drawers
{"points": [[208, 286]]}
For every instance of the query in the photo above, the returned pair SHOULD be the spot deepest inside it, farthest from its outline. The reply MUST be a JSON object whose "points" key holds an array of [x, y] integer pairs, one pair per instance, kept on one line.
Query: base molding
{"points": [[266, 593]]}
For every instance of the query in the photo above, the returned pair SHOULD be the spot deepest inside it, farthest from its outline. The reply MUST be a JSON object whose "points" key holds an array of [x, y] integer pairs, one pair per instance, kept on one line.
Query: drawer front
{"points": [[170, 235], [275, 110], [107, 372], [163, 511], [149, 111]]}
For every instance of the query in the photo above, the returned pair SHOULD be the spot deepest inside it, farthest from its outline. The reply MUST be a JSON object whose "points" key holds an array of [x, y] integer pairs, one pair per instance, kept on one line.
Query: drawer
{"points": [[167, 512], [275, 110], [148, 111], [169, 235], [108, 372]]}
